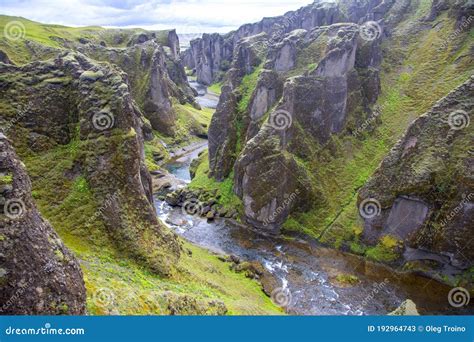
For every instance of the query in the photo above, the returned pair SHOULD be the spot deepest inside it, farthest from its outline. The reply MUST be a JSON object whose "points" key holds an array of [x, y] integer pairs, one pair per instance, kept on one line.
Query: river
{"points": [[305, 271]]}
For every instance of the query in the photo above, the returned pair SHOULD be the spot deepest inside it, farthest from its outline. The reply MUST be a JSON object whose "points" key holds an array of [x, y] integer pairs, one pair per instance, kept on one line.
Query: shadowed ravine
{"points": [[308, 271]]}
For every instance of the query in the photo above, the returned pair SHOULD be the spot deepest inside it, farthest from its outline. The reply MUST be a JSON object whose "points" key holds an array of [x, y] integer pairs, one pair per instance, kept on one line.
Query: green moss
{"points": [[416, 73], [154, 148], [215, 88], [347, 279], [246, 88], [192, 120], [223, 190], [385, 250], [6, 179]]}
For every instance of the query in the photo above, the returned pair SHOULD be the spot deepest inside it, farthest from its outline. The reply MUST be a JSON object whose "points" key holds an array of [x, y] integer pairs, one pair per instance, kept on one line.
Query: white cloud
{"points": [[187, 16]]}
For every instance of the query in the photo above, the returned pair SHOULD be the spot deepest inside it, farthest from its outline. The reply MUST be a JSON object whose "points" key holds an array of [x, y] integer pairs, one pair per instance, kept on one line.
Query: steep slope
{"points": [[157, 79], [423, 191], [38, 274], [212, 54], [304, 122], [73, 107], [75, 124]]}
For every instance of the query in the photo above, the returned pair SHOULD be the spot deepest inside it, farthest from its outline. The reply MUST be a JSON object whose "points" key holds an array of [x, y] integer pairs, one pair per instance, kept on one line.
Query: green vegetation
{"points": [[119, 285], [425, 74], [224, 190], [6, 179], [385, 251], [246, 88], [347, 279], [153, 149], [215, 88], [54, 37], [192, 120]]}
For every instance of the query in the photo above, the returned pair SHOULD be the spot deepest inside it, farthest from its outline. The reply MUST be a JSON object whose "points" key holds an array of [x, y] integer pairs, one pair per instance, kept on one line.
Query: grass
{"points": [[215, 88], [224, 189], [6, 179], [53, 36], [405, 96], [246, 88], [122, 287], [119, 285], [347, 279], [385, 250]]}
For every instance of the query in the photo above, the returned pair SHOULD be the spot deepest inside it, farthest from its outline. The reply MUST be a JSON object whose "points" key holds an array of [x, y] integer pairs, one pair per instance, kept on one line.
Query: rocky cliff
{"points": [[157, 79], [306, 116], [87, 106], [38, 274], [423, 192], [212, 54]]}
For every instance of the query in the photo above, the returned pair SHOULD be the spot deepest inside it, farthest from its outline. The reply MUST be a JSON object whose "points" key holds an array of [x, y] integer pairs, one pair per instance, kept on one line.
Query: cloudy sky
{"points": [[187, 16]]}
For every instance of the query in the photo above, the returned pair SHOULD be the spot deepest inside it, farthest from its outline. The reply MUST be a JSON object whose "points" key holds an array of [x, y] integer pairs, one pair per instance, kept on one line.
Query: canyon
{"points": [[294, 165]]}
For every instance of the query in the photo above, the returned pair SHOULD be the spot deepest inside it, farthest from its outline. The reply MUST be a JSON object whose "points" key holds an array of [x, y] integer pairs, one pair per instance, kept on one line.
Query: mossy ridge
{"points": [[427, 74], [134, 288], [53, 37]]}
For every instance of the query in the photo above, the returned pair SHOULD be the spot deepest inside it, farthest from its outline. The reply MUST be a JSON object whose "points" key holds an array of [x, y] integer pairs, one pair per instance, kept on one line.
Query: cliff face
{"points": [[306, 116], [151, 59], [211, 55], [423, 191], [75, 102], [38, 274], [156, 78]]}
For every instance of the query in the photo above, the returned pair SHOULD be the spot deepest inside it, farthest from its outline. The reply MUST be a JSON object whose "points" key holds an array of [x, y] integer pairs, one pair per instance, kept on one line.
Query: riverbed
{"points": [[307, 273]]}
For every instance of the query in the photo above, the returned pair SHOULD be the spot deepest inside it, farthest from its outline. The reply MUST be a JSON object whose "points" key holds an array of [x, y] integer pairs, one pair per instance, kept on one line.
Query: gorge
{"points": [[315, 163]]}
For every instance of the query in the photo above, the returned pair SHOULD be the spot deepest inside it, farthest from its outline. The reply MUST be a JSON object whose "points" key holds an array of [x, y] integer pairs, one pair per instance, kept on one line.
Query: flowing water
{"points": [[306, 272]]}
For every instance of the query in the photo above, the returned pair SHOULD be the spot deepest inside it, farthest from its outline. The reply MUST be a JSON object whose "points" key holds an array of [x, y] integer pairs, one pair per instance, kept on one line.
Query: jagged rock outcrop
{"points": [[312, 107], [38, 274], [223, 132], [150, 58], [156, 77], [211, 55], [423, 191], [71, 98]]}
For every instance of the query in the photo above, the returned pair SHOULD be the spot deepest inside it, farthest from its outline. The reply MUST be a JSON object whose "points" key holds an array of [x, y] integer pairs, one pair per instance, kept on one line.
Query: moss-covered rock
{"points": [[38, 274]]}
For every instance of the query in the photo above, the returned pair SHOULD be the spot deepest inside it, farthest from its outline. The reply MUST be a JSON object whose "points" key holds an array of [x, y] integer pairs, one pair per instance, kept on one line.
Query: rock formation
{"points": [[211, 55], [424, 188], [72, 98], [38, 274]]}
